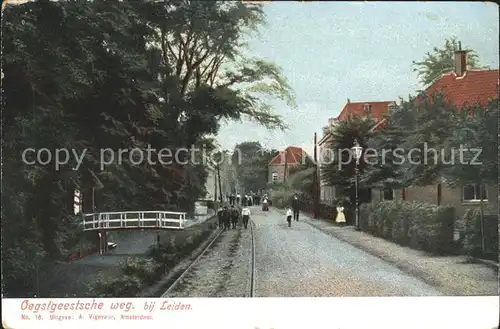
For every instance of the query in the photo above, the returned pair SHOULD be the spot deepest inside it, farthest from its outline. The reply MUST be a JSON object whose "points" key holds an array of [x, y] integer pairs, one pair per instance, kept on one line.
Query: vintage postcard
{"points": [[250, 164]]}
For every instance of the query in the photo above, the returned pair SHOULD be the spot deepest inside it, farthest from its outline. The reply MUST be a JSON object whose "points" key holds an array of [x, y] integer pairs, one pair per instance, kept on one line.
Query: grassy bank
{"points": [[137, 273]]}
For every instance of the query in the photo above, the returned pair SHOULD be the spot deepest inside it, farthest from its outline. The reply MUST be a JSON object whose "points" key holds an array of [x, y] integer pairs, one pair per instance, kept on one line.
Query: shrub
{"points": [[117, 286], [472, 237], [424, 229], [145, 269], [418, 225], [282, 197]]}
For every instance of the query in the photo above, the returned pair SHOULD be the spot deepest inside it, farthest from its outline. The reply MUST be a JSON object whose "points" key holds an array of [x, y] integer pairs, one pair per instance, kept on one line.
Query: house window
{"points": [[367, 108], [274, 177], [392, 108], [388, 194], [472, 192]]}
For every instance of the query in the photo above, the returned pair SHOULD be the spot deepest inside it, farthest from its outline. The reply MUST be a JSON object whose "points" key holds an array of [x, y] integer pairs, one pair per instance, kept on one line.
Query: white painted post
{"points": [[100, 243]]}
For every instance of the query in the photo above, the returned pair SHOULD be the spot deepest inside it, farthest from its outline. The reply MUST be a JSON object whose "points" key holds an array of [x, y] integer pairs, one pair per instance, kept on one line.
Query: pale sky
{"points": [[332, 51]]}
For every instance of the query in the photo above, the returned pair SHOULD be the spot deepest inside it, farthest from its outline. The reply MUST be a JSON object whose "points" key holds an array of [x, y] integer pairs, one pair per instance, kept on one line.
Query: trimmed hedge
{"points": [[472, 243], [417, 225], [136, 273], [328, 211]]}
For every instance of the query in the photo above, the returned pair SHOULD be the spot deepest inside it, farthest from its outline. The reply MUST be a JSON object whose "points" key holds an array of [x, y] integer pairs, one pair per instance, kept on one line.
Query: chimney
{"points": [[332, 121], [460, 61], [325, 130], [348, 101]]}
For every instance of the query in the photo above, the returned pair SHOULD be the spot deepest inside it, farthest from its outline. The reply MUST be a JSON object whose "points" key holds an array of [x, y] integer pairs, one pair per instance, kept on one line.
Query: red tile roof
{"points": [[475, 87], [292, 155], [378, 110]]}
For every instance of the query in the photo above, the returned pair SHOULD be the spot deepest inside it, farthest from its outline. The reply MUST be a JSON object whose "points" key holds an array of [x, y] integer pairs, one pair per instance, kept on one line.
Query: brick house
{"points": [[377, 110], [279, 166], [461, 87]]}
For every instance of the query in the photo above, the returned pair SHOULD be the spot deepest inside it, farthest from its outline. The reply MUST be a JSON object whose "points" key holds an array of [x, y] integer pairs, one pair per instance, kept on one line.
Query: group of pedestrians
{"points": [[229, 217], [245, 200]]}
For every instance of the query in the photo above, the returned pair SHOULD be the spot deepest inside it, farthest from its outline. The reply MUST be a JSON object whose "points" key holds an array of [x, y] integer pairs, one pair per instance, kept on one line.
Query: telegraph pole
{"points": [[220, 185], [286, 167], [215, 193], [316, 191]]}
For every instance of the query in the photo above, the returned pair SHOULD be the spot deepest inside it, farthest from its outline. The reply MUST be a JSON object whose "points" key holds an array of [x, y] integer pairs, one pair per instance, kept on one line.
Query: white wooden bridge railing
{"points": [[134, 219]]}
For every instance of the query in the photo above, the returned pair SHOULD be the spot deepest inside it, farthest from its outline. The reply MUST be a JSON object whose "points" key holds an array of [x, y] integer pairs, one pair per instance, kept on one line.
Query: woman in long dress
{"points": [[340, 215]]}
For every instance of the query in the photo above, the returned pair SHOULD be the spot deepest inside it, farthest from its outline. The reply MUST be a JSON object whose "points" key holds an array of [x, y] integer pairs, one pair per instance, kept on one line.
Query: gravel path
{"points": [[452, 275], [223, 271], [302, 261]]}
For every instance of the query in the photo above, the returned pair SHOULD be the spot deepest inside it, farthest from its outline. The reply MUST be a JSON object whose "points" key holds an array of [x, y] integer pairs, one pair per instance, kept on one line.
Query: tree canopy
{"points": [[92, 76], [441, 60], [475, 146], [250, 160], [428, 141], [338, 165]]}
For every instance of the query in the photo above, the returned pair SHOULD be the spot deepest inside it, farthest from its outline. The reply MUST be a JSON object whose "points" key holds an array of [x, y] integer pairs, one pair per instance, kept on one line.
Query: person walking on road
{"points": [[340, 219], [220, 216], [235, 215], [289, 215], [296, 207], [238, 198], [245, 216], [226, 218]]}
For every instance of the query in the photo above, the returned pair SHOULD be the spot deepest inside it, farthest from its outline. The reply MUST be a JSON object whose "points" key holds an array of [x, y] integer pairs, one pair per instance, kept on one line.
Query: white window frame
{"points": [[393, 194], [391, 108], [477, 189], [274, 177], [367, 108]]}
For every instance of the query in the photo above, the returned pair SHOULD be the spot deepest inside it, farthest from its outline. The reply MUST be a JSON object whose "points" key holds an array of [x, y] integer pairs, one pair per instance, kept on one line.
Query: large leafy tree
{"points": [[475, 146], [441, 60], [250, 160], [414, 148], [97, 75], [384, 166], [204, 41], [339, 165], [426, 145]]}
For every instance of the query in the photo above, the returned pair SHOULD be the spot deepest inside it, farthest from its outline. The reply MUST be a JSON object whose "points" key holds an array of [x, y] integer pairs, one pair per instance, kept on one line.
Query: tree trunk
{"points": [[439, 193], [215, 193], [220, 185]]}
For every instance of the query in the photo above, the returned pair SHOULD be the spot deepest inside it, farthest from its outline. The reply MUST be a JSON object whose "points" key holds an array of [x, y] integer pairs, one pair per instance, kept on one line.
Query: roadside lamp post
{"points": [[357, 150]]}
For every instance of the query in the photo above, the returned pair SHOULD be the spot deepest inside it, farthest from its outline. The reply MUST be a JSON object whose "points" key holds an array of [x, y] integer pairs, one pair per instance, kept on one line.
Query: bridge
{"points": [[168, 220]]}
